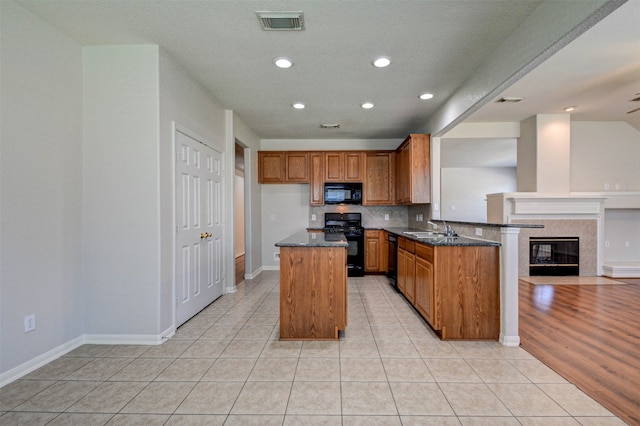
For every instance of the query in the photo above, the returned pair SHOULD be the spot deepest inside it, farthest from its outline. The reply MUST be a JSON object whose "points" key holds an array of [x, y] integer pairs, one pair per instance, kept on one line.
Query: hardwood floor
{"points": [[239, 268], [589, 334]]}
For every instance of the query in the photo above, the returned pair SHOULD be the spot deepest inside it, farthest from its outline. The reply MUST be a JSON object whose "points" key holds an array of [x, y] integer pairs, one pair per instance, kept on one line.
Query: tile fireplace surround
{"points": [[570, 215], [585, 229]]}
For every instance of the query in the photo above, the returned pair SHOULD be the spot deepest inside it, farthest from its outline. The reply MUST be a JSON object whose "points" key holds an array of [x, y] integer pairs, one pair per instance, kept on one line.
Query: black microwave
{"points": [[343, 193]]}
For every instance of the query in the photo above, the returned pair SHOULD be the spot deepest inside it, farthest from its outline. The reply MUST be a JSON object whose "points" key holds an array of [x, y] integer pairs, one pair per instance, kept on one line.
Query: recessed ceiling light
{"points": [[425, 96], [283, 63], [367, 105], [298, 105], [570, 108], [381, 62]]}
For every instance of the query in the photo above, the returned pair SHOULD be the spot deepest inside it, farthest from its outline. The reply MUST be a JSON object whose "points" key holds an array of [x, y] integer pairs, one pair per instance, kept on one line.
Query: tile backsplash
{"points": [[372, 216]]}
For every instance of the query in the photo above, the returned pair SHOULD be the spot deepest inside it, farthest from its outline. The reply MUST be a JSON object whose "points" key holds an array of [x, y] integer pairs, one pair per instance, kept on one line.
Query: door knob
{"points": [[203, 235]]}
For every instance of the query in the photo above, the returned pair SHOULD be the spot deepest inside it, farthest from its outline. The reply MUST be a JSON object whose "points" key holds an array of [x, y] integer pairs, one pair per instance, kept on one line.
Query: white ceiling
{"points": [[435, 46]]}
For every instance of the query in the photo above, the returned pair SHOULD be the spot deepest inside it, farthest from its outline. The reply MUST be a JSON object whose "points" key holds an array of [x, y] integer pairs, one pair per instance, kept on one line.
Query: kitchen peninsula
{"points": [[313, 286]]}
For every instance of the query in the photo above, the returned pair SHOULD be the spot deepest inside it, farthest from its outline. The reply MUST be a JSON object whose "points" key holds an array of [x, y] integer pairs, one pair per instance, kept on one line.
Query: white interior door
{"points": [[199, 249]]}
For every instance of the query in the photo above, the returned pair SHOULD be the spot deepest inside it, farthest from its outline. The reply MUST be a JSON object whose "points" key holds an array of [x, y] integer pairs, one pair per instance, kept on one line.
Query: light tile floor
{"points": [[227, 366]]}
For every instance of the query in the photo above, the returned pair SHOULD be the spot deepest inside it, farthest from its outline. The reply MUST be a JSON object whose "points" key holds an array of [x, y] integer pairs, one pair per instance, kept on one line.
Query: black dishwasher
{"points": [[392, 268]]}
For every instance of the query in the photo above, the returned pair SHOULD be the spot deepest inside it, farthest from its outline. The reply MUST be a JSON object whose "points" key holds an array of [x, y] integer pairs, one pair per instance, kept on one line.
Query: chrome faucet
{"points": [[432, 224], [448, 230]]}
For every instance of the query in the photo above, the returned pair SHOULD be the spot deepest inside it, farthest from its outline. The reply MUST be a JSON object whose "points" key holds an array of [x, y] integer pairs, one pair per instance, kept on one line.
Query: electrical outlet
{"points": [[479, 232], [617, 186], [313, 217], [386, 217], [606, 243], [272, 217], [29, 323], [276, 256], [606, 186]]}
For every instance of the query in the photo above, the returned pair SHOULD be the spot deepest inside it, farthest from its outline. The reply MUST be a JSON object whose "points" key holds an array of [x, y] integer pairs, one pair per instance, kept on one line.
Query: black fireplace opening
{"points": [[554, 256]]}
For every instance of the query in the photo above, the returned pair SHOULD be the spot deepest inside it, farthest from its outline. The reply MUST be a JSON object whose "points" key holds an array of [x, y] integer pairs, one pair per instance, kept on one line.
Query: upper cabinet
{"points": [[379, 179], [402, 176], [316, 178], [283, 167], [413, 171], [343, 166]]}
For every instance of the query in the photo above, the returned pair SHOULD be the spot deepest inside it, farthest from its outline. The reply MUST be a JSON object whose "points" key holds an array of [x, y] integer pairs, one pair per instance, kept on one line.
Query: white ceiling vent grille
{"points": [[281, 21]]}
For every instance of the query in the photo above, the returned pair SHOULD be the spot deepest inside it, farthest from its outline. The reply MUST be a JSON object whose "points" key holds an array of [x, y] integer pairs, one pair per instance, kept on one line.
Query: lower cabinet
{"points": [[455, 288], [375, 251], [424, 301], [406, 268]]}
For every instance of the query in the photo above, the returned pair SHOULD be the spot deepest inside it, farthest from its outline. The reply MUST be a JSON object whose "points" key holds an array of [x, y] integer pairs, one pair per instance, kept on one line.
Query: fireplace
{"points": [[554, 256]]}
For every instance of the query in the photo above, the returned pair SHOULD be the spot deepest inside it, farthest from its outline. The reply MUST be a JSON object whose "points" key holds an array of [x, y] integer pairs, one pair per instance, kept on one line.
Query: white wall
{"points": [[285, 211], [121, 196], [464, 190], [622, 232], [40, 187], [186, 104], [471, 168], [604, 153]]}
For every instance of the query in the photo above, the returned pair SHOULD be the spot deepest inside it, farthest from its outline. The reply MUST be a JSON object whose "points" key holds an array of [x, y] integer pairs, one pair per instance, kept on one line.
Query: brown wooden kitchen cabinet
{"points": [[343, 166], [457, 290], [283, 167], [424, 301], [379, 179], [375, 251], [313, 292], [316, 178], [413, 174], [406, 268]]}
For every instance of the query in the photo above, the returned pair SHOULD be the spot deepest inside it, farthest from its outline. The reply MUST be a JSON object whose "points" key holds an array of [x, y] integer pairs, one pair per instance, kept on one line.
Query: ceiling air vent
{"points": [[281, 21]]}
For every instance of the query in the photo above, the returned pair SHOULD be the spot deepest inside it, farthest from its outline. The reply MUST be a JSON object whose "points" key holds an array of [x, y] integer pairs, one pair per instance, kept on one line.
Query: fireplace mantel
{"points": [[507, 206]]}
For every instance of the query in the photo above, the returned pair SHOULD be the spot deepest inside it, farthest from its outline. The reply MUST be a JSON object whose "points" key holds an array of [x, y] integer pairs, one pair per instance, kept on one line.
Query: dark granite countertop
{"points": [[314, 239], [441, 240]]}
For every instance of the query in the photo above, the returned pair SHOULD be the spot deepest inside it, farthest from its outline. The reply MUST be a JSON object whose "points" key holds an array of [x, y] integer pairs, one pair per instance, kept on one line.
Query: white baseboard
{"points": [[621, 270], [509, 340], [86, 339], [37, 362]]}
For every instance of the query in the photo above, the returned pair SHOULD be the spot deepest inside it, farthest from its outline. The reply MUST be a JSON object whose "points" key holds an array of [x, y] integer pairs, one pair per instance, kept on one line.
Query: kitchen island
{"points": [[313, 286]]}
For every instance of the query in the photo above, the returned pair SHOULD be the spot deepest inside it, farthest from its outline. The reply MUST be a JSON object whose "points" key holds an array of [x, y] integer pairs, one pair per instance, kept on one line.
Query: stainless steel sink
{"points": [[424, 234]]}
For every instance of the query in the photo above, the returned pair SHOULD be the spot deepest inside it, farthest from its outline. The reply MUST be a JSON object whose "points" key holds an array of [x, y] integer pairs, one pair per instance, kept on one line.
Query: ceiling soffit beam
{"points": [[550, 27]]}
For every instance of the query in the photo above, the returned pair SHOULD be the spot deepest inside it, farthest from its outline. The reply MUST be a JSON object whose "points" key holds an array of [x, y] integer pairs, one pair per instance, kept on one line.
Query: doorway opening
{"points": [[239, 217]]}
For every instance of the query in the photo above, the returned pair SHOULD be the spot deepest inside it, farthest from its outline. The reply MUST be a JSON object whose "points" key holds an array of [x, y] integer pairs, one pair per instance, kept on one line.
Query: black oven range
{"points": [[351, 225]]}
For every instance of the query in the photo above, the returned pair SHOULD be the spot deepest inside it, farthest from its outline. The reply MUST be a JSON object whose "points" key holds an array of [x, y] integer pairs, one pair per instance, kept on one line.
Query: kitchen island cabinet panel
{"points": [[313, 292]]}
